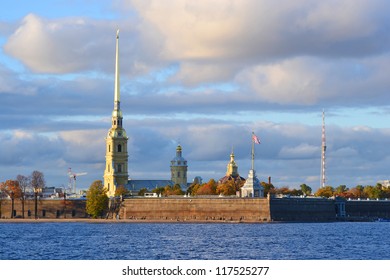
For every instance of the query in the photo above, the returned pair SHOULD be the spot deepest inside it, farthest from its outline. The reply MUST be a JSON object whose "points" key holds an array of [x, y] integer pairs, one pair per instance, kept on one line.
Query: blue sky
{"points": [[202, 75]]}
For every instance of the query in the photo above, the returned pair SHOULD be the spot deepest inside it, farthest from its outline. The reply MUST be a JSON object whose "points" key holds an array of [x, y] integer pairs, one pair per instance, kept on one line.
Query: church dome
{"points": [[231, 172]]}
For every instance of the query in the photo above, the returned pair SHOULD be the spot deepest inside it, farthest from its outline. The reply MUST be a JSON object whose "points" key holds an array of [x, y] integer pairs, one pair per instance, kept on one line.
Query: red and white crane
{"points": [[72, 179]]}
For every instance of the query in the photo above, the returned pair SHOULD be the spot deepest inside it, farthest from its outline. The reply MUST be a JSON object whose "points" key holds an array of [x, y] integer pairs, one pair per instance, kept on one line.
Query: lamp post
{"points": [[12, 204], [36, 202], [65, 205]]}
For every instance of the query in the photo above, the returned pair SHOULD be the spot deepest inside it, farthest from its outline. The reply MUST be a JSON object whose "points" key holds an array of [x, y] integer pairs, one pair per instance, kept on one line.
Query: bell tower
{"points": [[116, 173], [179, 169]]}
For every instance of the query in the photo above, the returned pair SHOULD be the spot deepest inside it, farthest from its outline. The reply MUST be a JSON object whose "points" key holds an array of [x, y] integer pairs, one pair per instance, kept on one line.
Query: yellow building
{"points": [[116, 173]]}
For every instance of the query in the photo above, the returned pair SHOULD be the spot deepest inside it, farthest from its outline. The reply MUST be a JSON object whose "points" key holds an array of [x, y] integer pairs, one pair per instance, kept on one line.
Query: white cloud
{"points": [[303, 150]]}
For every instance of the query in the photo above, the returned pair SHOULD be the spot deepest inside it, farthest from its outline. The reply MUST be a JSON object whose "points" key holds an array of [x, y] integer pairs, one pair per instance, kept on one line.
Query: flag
{"points": [[255, 139]]}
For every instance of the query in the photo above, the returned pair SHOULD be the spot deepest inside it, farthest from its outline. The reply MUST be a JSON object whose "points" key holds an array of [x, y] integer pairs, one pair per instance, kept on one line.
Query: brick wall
{"points": [[46, 208], [196, 209]]}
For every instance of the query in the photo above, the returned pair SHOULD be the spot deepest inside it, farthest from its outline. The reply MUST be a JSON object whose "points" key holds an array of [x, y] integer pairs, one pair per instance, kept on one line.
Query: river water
{"points": [[186, 241]]}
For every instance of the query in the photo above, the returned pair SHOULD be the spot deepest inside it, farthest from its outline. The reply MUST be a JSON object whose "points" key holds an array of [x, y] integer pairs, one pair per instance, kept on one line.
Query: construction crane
{"points": [[72, 179]]}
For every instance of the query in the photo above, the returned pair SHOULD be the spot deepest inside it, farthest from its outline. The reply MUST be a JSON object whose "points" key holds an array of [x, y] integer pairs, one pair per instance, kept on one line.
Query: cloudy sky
{"points": [[201, 74]]}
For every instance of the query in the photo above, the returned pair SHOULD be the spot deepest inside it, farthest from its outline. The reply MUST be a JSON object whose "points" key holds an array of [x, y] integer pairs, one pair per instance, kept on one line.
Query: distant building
{"points": [[134, 186], [179, 169], [178, 176], [385, 183]]}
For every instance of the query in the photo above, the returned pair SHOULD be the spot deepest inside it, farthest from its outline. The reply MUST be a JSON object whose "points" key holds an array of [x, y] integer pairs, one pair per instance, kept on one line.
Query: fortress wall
{"points": [[46, 208], [302, 210], [196, 209], [368, 208]]}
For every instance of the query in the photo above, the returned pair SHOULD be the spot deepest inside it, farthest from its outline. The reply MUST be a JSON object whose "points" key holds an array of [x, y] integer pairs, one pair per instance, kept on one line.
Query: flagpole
{"points": [[253, 152]]}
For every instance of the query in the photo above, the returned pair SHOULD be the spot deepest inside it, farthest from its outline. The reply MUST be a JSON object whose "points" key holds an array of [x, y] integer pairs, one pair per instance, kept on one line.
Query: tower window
{"points": [[119, 148], [178, 174], [119, 167], [109, 148]]}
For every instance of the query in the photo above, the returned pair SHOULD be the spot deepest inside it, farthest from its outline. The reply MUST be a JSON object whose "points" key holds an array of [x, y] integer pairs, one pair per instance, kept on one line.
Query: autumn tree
{"points": [[205, 189], [193, 188], [121, 191], [208, 188], [11, 187], [97, 200], [175, 190], [227, 188], [327, 191]]}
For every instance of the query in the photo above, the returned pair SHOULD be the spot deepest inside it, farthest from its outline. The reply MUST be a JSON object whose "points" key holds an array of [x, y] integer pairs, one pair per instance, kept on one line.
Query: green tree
{"points": [[97, 200], [341, 189], [373, 192], [268, 188], [305, 189], [142, 191]]}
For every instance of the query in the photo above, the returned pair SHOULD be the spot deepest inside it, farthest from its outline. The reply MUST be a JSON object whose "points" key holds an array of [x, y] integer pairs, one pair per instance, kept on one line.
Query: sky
{"points": [[205, 75]]}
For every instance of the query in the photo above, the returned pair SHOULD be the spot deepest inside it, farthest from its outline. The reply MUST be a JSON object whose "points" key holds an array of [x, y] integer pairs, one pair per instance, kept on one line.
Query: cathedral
{"points": [[116, 168], [116, 173]]}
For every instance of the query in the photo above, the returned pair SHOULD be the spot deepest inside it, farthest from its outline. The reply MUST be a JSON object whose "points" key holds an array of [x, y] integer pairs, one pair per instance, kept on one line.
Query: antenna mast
{"points": [[323, 150]]}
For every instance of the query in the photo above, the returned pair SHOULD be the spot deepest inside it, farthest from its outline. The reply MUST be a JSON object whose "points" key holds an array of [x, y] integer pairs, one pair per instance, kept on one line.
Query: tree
{"points": [[306, 190], [209, 188], [12, 189], [142, 191], [341, 189], [97, 200], [373, 192], [327, 191], [175, 190], [268, 188], [205, 190], [121, 191], [228, 188], [11, 186], [37, 180], [24, 183]]}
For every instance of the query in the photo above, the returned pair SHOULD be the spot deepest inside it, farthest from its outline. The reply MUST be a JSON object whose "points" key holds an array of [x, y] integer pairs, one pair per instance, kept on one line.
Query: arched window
{"points": [[119, 148], [178, 174], [119, 167]]}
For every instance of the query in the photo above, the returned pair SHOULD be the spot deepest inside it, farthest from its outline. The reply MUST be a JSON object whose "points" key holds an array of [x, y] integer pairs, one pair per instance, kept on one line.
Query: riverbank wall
{"points": [[196, 209], [46, 208], [302, 210], [210, 209]]}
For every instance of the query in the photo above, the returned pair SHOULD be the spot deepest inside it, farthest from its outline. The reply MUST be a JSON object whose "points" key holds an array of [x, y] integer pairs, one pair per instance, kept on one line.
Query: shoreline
{"points": [[88, 220], [144, 221]]}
